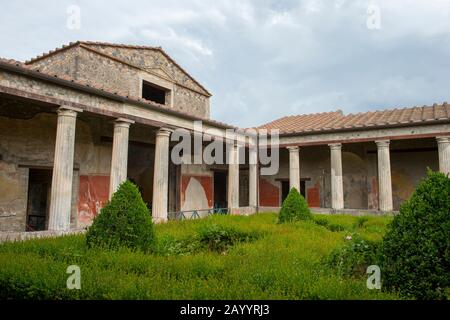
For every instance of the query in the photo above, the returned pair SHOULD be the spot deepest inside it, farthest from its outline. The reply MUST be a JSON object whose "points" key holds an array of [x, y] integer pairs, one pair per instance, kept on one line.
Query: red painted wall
{"points": [[205, 181], [269, 194], [93, 194], [313, 196]]}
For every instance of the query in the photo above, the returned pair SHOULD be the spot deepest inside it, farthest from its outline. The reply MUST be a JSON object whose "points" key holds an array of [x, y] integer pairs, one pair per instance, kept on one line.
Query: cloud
{"points": [[264, 59], [195, 45]]}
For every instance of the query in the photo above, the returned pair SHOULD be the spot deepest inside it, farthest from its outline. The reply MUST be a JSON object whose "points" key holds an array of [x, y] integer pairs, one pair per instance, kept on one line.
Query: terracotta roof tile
{"points": [[338, 121]]}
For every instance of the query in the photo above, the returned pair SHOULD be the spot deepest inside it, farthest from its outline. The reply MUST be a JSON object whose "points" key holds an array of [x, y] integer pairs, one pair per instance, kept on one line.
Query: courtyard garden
{"points": [[293, 254], [220, 257]]}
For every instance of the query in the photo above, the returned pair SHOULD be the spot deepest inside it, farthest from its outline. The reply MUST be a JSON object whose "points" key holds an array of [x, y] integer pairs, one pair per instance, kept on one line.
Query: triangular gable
{"points": [[162, 72], [148, 58], [118, 52]]}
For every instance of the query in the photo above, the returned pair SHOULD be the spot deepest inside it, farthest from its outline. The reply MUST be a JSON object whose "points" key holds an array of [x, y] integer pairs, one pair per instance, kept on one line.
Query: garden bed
{"points": [[220, 257]]}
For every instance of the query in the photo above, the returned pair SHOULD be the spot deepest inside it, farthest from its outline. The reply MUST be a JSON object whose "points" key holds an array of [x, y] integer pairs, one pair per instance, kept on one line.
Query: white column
{"points": [[233, 178], [384, 176], [161, 177], [253, 176], [294, 168], [444, 154], [119, 160], [61, 192], [337, 187]]}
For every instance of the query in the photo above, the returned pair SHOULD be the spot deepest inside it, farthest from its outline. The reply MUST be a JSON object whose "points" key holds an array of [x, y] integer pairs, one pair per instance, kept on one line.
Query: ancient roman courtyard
{"points": [[81, 119], [234, 159]]}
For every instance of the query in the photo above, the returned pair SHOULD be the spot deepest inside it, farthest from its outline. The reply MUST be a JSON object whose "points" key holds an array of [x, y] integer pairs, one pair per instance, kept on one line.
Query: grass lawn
{"points": [[271, 261]]}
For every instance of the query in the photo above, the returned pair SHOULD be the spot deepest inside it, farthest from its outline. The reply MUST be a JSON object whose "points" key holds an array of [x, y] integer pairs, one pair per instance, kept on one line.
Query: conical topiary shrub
{"points": [[125, 221], [415, 252], [294, 208]]}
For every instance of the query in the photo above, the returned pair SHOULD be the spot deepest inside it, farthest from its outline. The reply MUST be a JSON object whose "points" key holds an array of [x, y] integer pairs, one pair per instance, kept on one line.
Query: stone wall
{"points": [[151, 60], [81, 64]]}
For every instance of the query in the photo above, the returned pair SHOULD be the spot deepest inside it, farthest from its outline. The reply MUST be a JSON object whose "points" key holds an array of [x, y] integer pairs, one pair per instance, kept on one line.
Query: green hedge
{"points": [[416, 248], [294, 208], [125, 221]]}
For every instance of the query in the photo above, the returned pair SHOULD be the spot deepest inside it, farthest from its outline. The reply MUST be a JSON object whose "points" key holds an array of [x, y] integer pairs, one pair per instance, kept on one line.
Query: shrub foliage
{"points": [[354, 258], [294, 208], [415, 252], [125, 221], [220, 238]]}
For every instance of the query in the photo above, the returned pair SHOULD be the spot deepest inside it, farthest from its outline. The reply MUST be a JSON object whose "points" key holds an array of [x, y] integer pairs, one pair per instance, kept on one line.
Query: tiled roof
{"points": [[316, 122], [93, 43], [66, 81], [329, 121], [13, 62]]}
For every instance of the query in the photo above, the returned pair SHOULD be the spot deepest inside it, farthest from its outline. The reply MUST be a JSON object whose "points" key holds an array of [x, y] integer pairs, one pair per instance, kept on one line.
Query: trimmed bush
{"points": [[125, 221], [415, 252], [294, 208]]}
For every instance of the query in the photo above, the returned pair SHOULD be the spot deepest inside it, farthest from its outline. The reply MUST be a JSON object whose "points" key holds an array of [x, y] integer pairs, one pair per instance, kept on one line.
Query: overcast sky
{"points": [[265, 59]]}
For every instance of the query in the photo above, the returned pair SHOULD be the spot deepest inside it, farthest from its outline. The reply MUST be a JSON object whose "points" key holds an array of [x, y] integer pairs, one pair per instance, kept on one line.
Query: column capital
{"points": [[443, 139], [123, 122], [68, 111], [293, 148], [382, 143], [164, 132], [335, 146]]}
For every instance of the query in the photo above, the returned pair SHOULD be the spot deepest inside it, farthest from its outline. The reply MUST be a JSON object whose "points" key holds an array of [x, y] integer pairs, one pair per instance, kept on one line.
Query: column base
{"points": [[159, 220], [242, 211]]}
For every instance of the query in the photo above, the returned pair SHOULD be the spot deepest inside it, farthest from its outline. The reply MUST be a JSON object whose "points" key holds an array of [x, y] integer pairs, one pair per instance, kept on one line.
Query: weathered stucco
{"points": [[197, 187]]}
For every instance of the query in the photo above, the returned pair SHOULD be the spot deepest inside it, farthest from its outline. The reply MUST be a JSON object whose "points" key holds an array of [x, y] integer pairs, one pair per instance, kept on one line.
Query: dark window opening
{"points": [[220, 190], [38, 199], [153, 93]]}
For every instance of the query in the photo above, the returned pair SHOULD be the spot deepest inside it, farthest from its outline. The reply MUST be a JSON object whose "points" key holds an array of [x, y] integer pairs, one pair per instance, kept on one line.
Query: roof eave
{"points": [[79, 87], [364, 128]]}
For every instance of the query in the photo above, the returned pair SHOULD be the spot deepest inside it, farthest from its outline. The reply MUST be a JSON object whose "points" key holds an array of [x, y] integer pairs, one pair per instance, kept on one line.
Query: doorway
{"points": [[285, 188], [39, 190], [220, 190]]}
